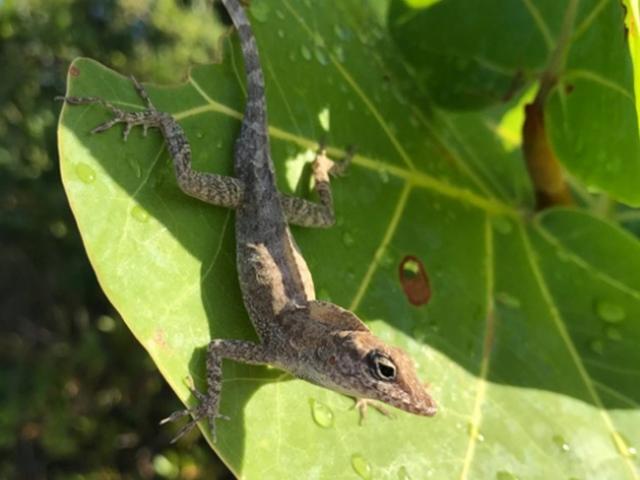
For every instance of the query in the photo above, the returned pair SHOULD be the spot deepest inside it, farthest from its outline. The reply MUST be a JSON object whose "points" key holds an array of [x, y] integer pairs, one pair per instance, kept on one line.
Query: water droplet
{"points": [[596, 346], [259, 10], [85, 173], [318, 41], [613, 333], [351, 106], [324, 118], [361, 466], [474, 432], [384, 175], [321, 57], [403, 474], [561, 443], [292, 56], [305, 52], [140, 214], [505, 475], [623, 445], [281, 33], [321, 414], [280, 14], [502, 225], [508, 300], [199, 134], [58, 229], [610, 312], [135, 166], [348, 239], [386, 259], [338, 51], [340, 32]]}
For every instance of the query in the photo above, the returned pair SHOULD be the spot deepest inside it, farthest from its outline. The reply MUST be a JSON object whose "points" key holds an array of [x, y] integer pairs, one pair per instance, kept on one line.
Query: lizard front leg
{"points": [[300, 211], [238, 350], [212, 188]]}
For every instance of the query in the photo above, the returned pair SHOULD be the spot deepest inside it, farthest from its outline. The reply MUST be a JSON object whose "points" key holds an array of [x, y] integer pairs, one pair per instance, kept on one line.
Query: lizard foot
{"points": [[323, 166], [207, 408], [362, 405], [149, 118]]}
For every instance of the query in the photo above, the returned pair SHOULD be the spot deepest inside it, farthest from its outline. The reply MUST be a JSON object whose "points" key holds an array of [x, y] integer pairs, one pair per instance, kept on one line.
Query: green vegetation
{"points": [[529, 340]]}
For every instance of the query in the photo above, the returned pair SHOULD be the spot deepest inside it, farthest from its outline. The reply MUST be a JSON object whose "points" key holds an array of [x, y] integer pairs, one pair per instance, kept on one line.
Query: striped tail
{"points": [[256, 107]]}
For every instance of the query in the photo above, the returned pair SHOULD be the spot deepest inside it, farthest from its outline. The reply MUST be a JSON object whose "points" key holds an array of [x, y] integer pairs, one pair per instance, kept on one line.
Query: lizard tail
{"points": [[253, 70]]}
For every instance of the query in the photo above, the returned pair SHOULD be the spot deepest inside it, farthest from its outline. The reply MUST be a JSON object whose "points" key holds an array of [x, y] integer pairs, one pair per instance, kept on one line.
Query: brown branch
{"points": [[544, 168]]}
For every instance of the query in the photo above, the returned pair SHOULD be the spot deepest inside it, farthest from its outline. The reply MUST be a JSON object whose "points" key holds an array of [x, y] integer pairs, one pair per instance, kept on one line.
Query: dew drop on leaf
{"points": [[305, 52], [474, 432], [321, 414], [135, 166], [505, 475], [85, 173], [260, 10], [361, 466], [403, 474], [502, 225], [321, 57], [610, 312], [561, 443], [280, 14], [596, 346], [613, 333], [384, 175], [508, 300], [623, 445], [338, 51], [348, 239], [281, 33], [140, 214]]}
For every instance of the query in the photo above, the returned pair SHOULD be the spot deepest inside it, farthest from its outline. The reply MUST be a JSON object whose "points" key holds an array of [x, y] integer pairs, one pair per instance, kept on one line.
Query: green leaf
{"points": [[532, 378], [477, 54]]}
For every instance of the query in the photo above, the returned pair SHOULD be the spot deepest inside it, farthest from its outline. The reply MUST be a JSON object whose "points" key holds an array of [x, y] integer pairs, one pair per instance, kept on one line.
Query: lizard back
{"points": [[273, 274]]}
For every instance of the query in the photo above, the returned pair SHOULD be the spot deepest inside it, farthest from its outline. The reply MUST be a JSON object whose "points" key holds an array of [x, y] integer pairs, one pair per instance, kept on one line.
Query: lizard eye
{"points": [[381, 366]]}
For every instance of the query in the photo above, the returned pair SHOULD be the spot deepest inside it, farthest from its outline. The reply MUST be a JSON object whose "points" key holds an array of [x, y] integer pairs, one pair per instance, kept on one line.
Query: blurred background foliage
{"points": [[79, 398]]}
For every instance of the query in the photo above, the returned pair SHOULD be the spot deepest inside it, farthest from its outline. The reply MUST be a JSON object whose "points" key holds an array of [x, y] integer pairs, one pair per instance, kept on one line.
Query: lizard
{"points": [[314, 340]]}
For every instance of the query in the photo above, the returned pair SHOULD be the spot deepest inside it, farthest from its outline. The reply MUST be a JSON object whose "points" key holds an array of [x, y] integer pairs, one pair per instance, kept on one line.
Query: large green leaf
{"points": [[474, 54], [530, 339]]}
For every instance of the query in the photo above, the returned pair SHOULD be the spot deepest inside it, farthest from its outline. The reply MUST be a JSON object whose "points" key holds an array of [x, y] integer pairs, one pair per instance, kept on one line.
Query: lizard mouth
{"points": [[425, 405]]}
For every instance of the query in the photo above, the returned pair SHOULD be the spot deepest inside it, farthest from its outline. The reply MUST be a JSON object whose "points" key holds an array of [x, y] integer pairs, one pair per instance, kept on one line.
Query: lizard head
{"points": [[387, 374], [356, 362]]}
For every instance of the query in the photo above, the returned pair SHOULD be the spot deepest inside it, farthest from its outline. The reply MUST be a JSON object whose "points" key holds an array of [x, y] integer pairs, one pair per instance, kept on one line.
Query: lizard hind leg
{"points": [[306, 213]]}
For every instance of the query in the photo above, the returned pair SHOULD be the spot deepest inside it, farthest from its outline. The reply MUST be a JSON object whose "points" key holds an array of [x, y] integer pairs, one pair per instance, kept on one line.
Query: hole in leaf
{"points": [[414, 280]]}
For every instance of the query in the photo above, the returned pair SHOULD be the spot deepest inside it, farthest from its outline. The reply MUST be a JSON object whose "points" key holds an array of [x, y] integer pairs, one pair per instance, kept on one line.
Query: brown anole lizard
{"points": [[311, 339]]}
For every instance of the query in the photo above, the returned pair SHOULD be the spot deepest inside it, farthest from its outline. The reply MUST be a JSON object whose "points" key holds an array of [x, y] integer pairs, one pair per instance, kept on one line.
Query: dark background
{"points": [[79, 397]]}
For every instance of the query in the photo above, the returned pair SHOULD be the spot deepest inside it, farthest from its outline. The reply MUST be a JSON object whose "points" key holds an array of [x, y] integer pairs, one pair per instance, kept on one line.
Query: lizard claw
{"points": [[340, 167], [362, 405], [207, 408]]}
